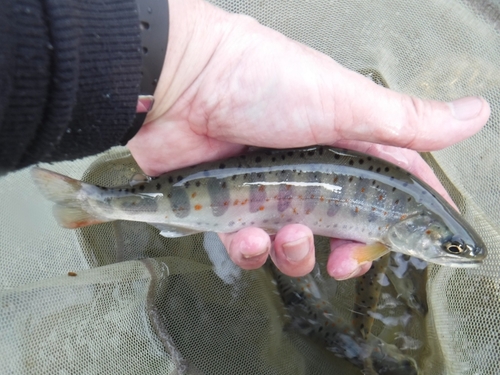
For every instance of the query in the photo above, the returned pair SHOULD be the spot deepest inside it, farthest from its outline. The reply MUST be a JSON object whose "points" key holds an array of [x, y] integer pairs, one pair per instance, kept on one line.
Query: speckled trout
{"points": [[337, 193], [315, 317]]}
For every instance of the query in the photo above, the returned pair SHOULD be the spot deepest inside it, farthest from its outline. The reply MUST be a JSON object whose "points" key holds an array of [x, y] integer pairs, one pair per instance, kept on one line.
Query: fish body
{"points": [[368, 288], [337, 193], [314, 316]]}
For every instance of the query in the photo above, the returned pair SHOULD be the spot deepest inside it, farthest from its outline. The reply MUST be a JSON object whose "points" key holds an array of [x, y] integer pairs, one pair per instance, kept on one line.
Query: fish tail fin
{"points": [[56, 187], [63, 190]]}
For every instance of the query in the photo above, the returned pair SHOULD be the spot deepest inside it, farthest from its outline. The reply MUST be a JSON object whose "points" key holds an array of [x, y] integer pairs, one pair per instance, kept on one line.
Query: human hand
{"points": [[229, 82]]}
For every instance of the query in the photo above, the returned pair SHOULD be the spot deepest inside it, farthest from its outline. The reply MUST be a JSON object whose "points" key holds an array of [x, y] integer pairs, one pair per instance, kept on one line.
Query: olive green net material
{"points": [[118, 298]]}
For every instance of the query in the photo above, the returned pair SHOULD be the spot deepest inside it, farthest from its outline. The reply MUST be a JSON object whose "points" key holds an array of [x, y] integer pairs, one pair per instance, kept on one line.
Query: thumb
{"points": [[365, 111]]}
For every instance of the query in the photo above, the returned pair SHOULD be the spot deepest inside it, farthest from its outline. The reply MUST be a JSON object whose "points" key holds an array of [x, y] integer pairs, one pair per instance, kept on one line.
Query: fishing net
{"points": [[118, 298]]}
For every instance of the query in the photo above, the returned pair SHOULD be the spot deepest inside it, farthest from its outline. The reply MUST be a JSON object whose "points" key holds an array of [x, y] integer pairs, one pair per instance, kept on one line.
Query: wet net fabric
{"points": [[118, 298]]}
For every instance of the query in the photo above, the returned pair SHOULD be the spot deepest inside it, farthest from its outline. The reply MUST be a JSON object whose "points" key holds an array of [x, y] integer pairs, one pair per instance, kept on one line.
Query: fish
{"points": [[314, 316], [368, 288], [408, 275], [336, 192]]}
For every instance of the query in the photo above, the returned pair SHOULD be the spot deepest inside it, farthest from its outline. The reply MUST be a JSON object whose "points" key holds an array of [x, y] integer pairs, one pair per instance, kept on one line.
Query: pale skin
{"points": [[229, 82]]}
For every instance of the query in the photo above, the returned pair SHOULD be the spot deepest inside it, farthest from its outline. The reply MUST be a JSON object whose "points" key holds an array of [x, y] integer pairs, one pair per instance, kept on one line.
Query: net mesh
{"points": [[118, 298]]}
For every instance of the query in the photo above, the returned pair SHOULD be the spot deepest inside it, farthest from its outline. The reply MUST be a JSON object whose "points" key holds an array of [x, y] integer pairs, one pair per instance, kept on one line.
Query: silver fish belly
{"points": [[337, 193]]}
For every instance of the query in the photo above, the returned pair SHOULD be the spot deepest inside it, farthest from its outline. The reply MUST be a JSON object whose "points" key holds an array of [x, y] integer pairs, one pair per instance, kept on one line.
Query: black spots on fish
{"points": [[283, 157], [258, 159], [374, 182], [197, 183], [311, 152], [187, 184], [396, 201], [222, 166], [405, 184], [386, 169], [127, 190], [321, 150], [219, 196], [119, 190], [378, 170], [350, 179], [302, 155], [393, 189], [290, 153], [141, 187], [179, 178], [361, 161], [233, 177], [370, 168], [170, 179], [351, 162], [243, 157], [336, 156], [158, 186], [369, 158], [132, 190], [409, 199], [273, 159]]}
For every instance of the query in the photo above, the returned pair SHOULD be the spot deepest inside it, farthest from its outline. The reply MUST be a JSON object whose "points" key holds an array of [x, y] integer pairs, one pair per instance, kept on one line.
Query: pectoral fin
{"points": [[370, 252]]}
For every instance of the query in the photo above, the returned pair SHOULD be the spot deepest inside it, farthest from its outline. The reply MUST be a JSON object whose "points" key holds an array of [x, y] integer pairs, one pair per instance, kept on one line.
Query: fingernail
{"points": [[296, 250], [354, 273], [256, 254], [466, 108]]}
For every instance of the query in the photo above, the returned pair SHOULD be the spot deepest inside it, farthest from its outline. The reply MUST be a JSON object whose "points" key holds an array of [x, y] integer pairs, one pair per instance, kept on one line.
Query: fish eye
{"points": [[455, 247]]}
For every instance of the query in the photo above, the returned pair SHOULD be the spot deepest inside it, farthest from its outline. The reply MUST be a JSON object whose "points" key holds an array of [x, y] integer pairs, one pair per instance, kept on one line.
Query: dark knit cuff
{"points": [[75, 62]]}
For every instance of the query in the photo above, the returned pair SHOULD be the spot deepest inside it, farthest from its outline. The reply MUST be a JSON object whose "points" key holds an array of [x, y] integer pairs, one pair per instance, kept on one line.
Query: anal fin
{"points": [[170, 231]]}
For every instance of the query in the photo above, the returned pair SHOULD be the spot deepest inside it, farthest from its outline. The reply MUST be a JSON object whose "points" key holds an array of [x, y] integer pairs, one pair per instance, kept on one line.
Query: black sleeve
{"points": [[69, 78]]}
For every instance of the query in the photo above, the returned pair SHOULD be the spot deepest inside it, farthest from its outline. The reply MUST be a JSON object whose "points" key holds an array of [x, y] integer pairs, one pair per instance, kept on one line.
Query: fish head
{"points": [[429, 237]]}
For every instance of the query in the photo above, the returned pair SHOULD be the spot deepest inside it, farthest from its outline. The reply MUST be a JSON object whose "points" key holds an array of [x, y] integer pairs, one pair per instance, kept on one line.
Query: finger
{"points": [[247, 248], [293, 250], [342, 264], [408, 160], [366, 111]]}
